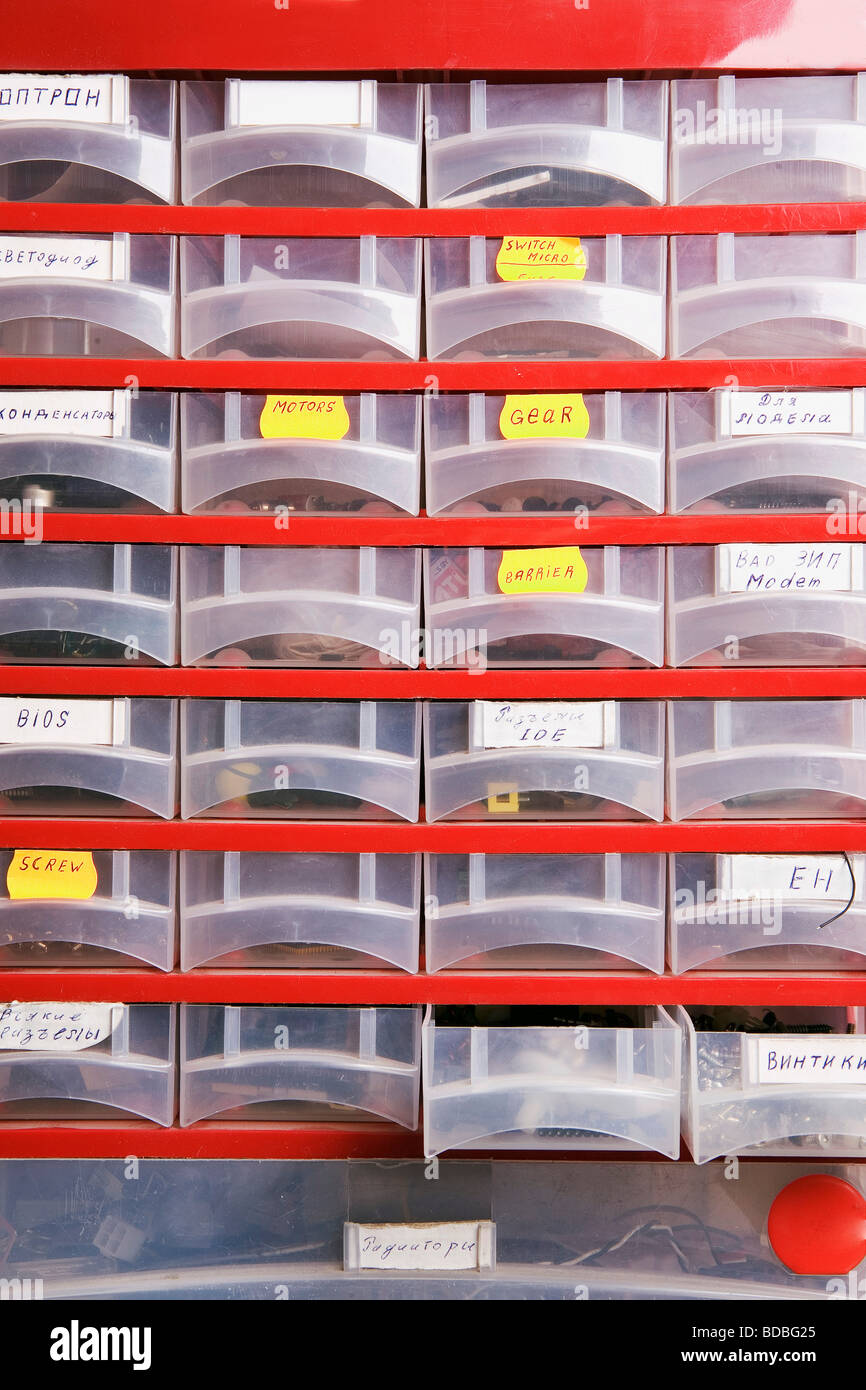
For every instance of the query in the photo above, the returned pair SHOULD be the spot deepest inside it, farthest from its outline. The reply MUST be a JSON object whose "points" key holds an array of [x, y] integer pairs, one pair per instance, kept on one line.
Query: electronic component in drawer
{"points": [[101, 295], [562, 606], [280, 454], [554, 298], [323, 297]]}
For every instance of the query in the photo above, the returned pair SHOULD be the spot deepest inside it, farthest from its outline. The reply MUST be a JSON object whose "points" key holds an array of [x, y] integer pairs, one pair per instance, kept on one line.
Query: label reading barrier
{"points": [[558, 570]]}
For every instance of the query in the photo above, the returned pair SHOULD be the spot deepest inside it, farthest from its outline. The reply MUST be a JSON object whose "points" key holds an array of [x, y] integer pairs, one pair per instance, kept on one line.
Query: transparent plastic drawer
{"points": [[544, 912], [300, 1063], [587, 144], [789, 1084], [311, 298], [61, 908], [86, 603], [129, 1069], [301, 144], [787, 295], [88, 757], [284, 454], [95, 296], [609, 764], [572, 1087], [781, 759], [86, 139], [614, 308], [600, 453], [301, 607], [768, 139], [480, 610], [792, 604], [304, 911], [312, 760], [749, 451], [767, 912]]}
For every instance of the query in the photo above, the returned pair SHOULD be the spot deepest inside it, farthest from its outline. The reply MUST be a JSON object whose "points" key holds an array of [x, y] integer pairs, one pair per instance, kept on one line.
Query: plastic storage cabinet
{"points": [[301, 453], [584, 1087], [305, 1063], [767, 605], [94, 296], [302, 607], [785, 759], [798, 1089], [484, 300], [767, 912], [88, 603], [544, 912], [588, 144], [768, 296], [749, 451], [601, 453], [88, 757], [488, 759], [301, 144], [129, 1068], [94, 139], [300, 910], [768, 139], [313, 298], [498, 607], [301, 758]]}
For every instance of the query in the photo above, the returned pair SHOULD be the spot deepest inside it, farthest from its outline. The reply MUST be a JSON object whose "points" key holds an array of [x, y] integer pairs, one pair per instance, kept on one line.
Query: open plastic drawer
{"points": [[616, 310], [749, 451], [301, 607], [767, 605], [301, 759], [796, 1089], [587, 144], [303, 1063], [314, 298], [130, 1067], [95, 296], [789, 295], [587, 1087], [601, 453], [281, 454], [768, 139], [307, 911], [301, 144], [544, 912], [474, 616], [609, 765], [62, 908], [93, 139], [767, 912], [88, 757], [751, 759], [86, 603]]}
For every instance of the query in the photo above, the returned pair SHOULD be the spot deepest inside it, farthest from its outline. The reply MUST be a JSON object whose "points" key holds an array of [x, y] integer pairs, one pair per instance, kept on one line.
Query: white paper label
{"points": [[72, 258], [62, 721], [789, 412], [789, 877], [434, 1245], [28, 96], [56, 1027], [811, 1060], [573, 725], [92, 413], [752, 569], [300, 103]]}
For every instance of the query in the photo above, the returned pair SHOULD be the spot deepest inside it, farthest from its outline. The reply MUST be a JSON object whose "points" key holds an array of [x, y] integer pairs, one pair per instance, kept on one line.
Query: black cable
{"points": [[837, 915]]}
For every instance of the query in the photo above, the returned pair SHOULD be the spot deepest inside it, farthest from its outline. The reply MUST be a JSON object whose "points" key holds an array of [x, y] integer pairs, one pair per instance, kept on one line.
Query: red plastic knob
{"points": [[817, 1225]]}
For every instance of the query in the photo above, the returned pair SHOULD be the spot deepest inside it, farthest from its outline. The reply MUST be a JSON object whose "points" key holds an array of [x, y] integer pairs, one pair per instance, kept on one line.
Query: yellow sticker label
{"points": [[51, 873], [304, 417], [502, 797], [541, 258], [544, 417], [559, 570]]}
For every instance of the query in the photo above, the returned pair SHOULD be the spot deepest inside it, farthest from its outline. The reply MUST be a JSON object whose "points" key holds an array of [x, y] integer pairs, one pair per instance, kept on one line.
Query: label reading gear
{"points": [[304, 417], [541, 258], [544, 417], [51, 873], [557, 570]]}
